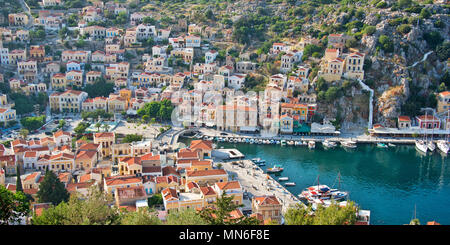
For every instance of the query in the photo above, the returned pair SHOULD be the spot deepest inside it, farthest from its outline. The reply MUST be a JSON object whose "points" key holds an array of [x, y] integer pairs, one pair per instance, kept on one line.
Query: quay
{"points": [[251, 176]]}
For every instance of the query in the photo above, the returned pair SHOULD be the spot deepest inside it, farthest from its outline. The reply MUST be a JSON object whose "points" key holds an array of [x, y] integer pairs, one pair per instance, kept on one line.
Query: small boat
{"points": [[421, 146], [431, 145], [443, 146], [311, 144], [328, 144], [275, 169], [297, 143], [252, 141], [289, 184], [283, 178], [382, 145], [348, 144], [391, 145], [283, 142], [277, 142], [290, 142]]}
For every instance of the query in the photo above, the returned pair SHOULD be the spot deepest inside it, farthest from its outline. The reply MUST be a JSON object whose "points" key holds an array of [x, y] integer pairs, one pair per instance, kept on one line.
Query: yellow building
{"points": [[68, 101], [59, 81], [106, 139], [443, 101]]}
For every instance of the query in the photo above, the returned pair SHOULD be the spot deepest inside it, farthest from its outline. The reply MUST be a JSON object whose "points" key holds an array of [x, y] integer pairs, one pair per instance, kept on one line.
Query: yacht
{"points": [[443, 146], [283, 178], [275, 169], [348, 143], [328, 144], [431, 145], [311, 144], [421, 146]]}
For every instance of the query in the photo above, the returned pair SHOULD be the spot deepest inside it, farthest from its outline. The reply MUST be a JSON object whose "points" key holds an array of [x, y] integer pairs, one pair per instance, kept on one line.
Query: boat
{"points": [[297, 143], [289, 184], [421, 146], [283, 178], [277, 142], [391, 145], [322, 194], [348, 143], [443, 146], [311, 144], [304, 143], [431, 145], [275, 169], [252, 141], [291, 142], [382, 145], [328, 144], [283, 142]]}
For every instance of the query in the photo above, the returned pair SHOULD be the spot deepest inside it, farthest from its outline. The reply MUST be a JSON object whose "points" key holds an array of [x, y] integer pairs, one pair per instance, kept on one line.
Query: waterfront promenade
{"points": [[251, 176]]}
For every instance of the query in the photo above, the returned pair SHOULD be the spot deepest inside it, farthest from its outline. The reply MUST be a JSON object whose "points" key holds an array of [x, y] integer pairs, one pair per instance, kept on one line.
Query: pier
{"points": [[251, 176]]}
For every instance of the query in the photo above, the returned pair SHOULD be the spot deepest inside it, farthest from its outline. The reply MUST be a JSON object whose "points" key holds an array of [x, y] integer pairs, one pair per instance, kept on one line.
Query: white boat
{"points": [[304, 143], [421, 146], [283, 142], [431, 145], [275, 169], [443, 146], [311, 144], [348, 143], [391, 145], [283, 178], [291, 142], [328, 144], [289, 184], [297, 143]]}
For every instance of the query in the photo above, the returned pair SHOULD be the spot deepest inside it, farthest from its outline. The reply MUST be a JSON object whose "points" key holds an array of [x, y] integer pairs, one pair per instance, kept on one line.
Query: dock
{"points": [[251, 176]]}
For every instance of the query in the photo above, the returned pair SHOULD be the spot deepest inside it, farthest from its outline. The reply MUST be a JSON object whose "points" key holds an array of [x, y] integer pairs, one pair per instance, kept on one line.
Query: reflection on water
{"points": [[388, 181]]}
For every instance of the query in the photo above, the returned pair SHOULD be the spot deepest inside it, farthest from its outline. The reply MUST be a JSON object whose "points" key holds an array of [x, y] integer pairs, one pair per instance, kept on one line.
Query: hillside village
{"points": [[105, 64]]}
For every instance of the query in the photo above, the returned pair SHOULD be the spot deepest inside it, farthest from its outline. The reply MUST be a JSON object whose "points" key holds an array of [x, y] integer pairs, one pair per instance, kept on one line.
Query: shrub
{"points": [[369, 30], [404, 29]]}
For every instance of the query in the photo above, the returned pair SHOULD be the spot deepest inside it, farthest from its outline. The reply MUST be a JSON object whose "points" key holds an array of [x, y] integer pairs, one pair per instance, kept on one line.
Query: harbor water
{"points": [[390, 182]]}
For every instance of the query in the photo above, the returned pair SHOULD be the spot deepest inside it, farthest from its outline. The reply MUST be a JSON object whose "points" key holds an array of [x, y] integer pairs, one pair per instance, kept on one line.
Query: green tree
{"points": [[141, 217], [92, 209], [386, 43], [404, 29], [24, 132], [132, 138], [33, 123], [13, 206], [61, 123], [52, 190], [99, 88], [332, 215], [18, 180], [185, 217], [221, 215]]}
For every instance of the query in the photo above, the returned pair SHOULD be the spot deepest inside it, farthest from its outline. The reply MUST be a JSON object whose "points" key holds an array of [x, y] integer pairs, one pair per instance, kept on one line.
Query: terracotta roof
{"points": [[404, 118], [88, 146], [266, 200], [207, 191], [86, 155], [152, 169], [104, 135], [121, 180], [71, 187], [201, 144], [150, 157], [197, 173], [30, 154], [60, 133], [228, 185]]}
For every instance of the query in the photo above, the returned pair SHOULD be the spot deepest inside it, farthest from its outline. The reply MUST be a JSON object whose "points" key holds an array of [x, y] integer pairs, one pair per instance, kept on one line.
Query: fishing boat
{"points": [[421, 146], [289, 184], [348, 143], [382, 145], [275, 169], [391, 145], [328, 144], [283, 178], [311, 144], [320, 194]]}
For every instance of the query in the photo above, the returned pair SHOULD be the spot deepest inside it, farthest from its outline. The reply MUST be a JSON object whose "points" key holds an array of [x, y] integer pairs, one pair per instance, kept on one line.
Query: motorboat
{"points": [[283, 142], [297, 143], [391, 145], [421, 146], [311, 144], [275, 169], [289, 184], [328, 144], [304, 143], [283, 178], [443, 146], [382, 145], [291, 142], [348, 143], [431, 145], [252, 141], [277, 142]]}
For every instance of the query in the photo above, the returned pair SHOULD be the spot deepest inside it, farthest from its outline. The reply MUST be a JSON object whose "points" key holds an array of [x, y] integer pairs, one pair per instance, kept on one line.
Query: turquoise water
{"points": [[388, 182]]}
